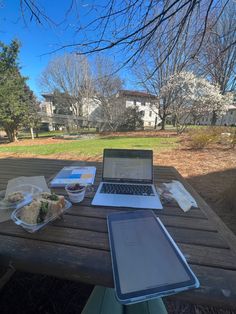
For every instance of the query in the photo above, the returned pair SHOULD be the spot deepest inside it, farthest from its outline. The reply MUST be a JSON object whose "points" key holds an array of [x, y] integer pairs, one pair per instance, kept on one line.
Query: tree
{"points": [[216, 61], [130, 26], [132, 120], [69, 78], [32, 118], [13, 94], [107, 85], [217, 58], [154, 69], [192, 97]]}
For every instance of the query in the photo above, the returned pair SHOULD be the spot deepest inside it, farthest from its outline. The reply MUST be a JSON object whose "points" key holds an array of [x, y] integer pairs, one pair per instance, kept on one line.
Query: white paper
{"points": [[181, 195]]}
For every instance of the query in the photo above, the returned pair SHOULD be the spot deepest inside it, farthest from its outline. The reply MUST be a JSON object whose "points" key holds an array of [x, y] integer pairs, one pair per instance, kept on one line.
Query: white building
{"points": [[91, 111], [227, 119], [145, 103], [46, 105], [61, 114]]}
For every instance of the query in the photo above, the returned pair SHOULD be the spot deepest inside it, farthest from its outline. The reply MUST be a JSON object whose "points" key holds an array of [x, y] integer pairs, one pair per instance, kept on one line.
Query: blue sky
{"points": [[39, 40]]}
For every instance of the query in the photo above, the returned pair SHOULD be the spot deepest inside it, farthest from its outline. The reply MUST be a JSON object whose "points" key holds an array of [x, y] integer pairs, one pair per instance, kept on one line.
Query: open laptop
{"points": [[127, 180]]}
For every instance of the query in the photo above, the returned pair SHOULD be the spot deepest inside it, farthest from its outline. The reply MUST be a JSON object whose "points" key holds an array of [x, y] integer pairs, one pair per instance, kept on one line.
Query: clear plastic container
{"points": [[35, 227], [29, 192], [6, 207]]}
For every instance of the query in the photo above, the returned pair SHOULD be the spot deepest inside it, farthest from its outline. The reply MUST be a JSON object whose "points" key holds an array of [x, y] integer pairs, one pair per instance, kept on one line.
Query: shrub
{"points": [[202, 137], [200, 141], [233, 139]]}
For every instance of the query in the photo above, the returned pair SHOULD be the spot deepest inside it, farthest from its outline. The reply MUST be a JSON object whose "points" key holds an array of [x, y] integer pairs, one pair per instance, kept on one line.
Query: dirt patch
{"points": [[150, 133]]}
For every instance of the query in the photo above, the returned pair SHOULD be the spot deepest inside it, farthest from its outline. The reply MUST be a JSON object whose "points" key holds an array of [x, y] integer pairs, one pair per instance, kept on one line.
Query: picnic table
{"points": [[76, 247]]}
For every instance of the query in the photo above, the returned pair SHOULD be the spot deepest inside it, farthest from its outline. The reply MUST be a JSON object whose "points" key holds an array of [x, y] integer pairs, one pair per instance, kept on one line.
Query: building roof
{"points": [[125, 92], [47, 95]]}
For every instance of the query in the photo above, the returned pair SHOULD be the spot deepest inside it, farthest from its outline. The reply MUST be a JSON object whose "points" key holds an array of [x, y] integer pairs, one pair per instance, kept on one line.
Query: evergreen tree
{"points": [[14, 95]]}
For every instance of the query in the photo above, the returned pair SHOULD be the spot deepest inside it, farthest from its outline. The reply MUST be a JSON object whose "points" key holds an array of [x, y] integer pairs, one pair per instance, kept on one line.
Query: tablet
{"points": [[146, 261]]}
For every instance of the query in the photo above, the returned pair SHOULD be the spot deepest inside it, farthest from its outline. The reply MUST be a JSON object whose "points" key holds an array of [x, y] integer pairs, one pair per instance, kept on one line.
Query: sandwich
{"points": [[15, 197], [43, 208]]}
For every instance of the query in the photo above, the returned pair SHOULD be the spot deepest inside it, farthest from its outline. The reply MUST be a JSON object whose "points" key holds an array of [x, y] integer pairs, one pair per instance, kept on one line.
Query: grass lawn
{"points": [[93, 147]]}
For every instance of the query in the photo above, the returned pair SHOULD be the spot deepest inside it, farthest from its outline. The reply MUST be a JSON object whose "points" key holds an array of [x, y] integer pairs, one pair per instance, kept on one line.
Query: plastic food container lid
{"points": [[35, 227], [29, 192]]}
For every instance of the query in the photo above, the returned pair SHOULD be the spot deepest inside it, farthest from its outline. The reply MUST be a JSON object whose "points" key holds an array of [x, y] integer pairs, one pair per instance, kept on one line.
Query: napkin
{"points": [[181, 195]]}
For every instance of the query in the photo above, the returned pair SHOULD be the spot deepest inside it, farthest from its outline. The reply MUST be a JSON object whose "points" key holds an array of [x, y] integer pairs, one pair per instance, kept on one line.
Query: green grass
{"points": [[24, 135], [94, 147]]}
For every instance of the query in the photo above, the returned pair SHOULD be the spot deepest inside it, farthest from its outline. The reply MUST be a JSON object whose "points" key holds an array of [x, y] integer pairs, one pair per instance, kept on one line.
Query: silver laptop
{"points": [[127, 180]]}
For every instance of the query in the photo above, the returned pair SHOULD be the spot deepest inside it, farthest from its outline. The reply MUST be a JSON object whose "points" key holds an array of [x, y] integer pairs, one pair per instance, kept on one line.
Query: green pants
{"points": [[103, 301]]}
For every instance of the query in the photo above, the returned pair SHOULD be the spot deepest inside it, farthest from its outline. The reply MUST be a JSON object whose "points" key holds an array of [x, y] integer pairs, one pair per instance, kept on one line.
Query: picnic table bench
{"points": [[76, 247]]}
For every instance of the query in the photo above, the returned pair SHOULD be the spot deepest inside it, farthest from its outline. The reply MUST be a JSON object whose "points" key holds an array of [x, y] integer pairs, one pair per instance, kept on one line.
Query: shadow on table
{"points": [[210, 186], [218, 189], [30, 293]]}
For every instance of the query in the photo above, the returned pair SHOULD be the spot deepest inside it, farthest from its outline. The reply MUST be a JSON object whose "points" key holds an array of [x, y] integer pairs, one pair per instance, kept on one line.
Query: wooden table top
{"points": [[76, 247]]}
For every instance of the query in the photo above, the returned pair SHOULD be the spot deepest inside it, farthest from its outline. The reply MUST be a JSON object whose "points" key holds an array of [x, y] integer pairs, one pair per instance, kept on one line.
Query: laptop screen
{"points": [[127, 165]]}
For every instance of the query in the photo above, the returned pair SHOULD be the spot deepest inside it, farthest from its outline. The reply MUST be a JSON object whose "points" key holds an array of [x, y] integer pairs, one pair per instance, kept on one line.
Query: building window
{"points": [[150, 113], [149, 123], [129, 103], [142, 113]]}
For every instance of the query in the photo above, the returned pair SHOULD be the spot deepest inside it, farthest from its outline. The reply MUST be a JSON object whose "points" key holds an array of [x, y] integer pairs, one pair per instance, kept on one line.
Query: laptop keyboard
{"points": [[132, 189]]}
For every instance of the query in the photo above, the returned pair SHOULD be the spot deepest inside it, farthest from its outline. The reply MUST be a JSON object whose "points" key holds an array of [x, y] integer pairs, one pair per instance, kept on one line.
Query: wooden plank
{"points": [[85, 209], [69, 236], [203, 238], [43, 163], [5, 275], [68, 262], [217, 288], [97, 240], [168, 220], [187, 223], [62, 261], [208, 256]]}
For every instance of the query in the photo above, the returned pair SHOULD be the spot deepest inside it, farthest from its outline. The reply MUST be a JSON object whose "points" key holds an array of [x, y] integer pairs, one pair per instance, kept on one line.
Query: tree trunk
{"points": [[32, 133], [77, 125], [163, 123], [37, 132], [174, 121], [11, 134], [15, 137], [155, 127], [214, 118]]}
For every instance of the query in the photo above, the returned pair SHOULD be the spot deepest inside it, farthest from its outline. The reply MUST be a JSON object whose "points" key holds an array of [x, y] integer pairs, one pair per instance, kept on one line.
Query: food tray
{"points": [[35, 227]]}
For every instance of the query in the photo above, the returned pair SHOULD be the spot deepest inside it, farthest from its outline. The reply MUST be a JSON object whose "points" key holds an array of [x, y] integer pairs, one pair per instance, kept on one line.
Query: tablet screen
{"points": [[145, 257]]}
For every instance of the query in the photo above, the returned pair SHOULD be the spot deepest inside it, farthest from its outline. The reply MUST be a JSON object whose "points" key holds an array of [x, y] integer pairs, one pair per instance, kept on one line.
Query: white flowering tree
{"points": [[192, 97]]}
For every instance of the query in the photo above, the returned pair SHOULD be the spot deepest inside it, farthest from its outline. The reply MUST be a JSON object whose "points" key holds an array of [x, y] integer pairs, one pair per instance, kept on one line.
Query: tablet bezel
{"points": [[139, 295]]}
